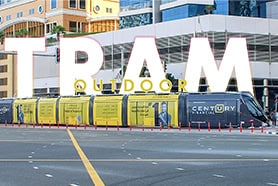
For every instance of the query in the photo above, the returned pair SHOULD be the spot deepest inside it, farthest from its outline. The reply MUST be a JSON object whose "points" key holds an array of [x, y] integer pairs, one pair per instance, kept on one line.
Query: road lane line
{"points": [[90, 169], [274, 184], [154, 161], [218, 176]]}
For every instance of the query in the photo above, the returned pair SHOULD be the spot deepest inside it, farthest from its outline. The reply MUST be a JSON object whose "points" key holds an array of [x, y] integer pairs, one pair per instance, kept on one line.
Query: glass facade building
{"points": [[137, 19], [142, 12], [248, 8]]}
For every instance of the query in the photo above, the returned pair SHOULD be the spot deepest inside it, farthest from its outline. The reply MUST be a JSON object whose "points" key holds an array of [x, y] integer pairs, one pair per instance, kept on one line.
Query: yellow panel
{"points": [[108, 110], [28, 109], [146, 110], [47, 111], [74, 110]]}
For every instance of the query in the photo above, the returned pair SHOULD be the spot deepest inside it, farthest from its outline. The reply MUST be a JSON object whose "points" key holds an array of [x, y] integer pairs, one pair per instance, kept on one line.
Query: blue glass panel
{"points": [[222, 7], [135, 20], [53, 4]]}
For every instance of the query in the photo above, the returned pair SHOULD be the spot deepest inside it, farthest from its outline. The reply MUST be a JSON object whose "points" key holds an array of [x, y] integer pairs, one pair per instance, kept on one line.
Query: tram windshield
{"points": [[254, 107]]}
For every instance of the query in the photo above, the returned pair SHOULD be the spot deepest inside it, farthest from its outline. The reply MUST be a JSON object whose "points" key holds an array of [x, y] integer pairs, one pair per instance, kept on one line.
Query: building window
{"points": [[72, 3], [31, 11], [54, 91], [3, 94], [3, 68], [2, 2], [3, 81], [72, 26], [53, 4], [135, 20], [3, 56], [82, 4], [0, 19], [8, 17], [40, 91], [108, 10], [50, 26], [19, 14]]}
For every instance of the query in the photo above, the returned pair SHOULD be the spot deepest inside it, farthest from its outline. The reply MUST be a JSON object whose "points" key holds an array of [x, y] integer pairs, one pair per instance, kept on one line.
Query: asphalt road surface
{"points": [[73, 157]]}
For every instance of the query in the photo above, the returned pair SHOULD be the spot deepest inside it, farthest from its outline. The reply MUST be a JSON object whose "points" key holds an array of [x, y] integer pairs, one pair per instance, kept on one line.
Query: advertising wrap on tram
{"points": [[6, 110], [212, 110], [108, 110], [153, 110], [47, 111], [24, 111], [75, 110]]}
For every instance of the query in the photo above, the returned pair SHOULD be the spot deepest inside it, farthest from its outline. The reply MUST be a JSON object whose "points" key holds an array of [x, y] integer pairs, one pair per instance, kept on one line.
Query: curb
{"points": [[272, 132]]}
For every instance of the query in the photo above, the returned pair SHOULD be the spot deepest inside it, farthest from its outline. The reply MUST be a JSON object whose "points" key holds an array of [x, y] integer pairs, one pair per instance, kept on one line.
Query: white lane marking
{"points": [[275, 184], [72, 184], [218, 176], [180, 169], [48, 175], [154, 163], [36, 168]]}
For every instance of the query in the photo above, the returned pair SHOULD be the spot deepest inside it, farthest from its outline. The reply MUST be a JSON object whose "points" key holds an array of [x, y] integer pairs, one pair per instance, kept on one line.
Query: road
{"points": [[72, 157]]}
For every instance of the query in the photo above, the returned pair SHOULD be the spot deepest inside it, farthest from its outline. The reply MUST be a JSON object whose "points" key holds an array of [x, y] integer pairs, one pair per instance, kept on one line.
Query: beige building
{"points": [[37, 18]]}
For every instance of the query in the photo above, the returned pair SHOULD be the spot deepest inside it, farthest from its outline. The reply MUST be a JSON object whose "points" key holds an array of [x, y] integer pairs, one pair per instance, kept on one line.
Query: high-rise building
{"points": [[142, 12], [272, 9]]}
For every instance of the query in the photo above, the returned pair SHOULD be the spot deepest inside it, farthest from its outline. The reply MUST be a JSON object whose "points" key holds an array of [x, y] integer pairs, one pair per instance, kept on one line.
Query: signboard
{"points": [[144, 51], [153, 110]]}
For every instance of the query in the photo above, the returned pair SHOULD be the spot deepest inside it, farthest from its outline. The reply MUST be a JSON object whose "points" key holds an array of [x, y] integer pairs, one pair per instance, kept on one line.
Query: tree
{"points": [[2, 36], [210, 8], [58, 30], [21, 33]]}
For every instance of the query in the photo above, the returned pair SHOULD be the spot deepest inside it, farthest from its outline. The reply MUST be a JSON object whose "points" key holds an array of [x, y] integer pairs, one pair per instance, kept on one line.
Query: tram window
{"points": [[253, 106]]}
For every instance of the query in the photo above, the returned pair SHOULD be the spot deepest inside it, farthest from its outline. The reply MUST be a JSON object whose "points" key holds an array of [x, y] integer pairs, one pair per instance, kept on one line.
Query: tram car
{"points": [[138, 110]]}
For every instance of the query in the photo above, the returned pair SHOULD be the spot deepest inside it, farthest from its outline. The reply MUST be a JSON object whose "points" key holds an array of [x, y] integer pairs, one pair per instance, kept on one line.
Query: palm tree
{"points": [[210, 8], [21, 33], [2, 36], [58, 29]]}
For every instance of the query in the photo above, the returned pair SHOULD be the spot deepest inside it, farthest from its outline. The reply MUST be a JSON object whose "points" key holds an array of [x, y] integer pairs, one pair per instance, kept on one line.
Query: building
{"points": [[37, 18], [272, 9], [173, 41], [102, 15], [142, 12]]}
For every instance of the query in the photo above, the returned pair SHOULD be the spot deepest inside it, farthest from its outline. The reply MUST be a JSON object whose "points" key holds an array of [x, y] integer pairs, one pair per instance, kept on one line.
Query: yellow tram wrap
{"points": [[108, 110], [28, 108], [74, 110], [144, 110], [47, 111]]}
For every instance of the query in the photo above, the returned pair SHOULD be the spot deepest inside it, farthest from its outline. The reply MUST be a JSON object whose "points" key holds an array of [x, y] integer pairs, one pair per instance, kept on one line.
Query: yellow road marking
{"points": [[145, 160], [90, 169]]}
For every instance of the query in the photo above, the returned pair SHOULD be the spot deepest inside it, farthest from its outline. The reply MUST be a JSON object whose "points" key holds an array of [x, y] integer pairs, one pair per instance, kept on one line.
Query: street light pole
{"points": [[122, 62]]}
